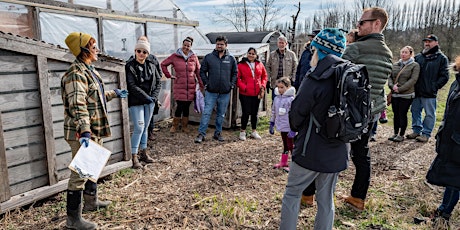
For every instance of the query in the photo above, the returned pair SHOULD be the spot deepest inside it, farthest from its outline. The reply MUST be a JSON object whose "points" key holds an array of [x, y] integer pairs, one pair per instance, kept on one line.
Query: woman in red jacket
{"points": [[187, 73], [252, 79]]}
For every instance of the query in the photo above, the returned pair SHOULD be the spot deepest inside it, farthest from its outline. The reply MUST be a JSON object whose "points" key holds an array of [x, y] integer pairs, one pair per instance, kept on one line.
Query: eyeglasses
{"points": [[142, 51], [361, 22]]}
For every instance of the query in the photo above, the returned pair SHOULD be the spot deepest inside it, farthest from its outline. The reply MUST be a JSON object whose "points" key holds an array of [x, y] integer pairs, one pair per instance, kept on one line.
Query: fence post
{"points": [[5, 193]]}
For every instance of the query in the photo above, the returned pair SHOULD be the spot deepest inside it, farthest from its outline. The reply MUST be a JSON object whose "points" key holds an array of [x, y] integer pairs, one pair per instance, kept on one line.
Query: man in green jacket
{"points": [[370, 49]]}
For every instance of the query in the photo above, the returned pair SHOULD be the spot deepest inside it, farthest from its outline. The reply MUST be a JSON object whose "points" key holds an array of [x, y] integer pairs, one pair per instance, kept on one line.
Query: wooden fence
{"points": [[33, 153]]}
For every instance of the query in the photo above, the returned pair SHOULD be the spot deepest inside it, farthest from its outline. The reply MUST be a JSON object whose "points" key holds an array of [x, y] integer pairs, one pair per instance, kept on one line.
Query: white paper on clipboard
{"points": [[89, 161]]}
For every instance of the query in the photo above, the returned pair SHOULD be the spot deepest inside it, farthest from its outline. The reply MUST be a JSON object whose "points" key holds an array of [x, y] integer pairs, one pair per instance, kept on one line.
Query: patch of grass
{"points": [[125, 172]]}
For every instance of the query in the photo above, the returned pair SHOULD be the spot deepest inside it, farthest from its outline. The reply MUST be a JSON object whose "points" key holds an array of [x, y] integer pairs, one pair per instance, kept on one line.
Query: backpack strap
{"points": [[310, 126]]}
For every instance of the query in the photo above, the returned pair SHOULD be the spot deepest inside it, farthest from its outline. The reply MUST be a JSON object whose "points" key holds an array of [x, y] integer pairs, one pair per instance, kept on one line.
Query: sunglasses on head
{"points": [[361, 22], [142, 51]]}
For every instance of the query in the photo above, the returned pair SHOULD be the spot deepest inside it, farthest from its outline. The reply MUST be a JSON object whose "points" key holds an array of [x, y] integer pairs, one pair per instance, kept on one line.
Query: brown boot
{"points": [[175, 124], [307, 201], [144, 156], [185, 125], [355, 203], [136, 164]]}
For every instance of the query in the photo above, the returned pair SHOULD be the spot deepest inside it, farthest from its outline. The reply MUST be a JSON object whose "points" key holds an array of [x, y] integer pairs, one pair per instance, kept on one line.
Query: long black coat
{"points": [[315, 96], [445, 169]]}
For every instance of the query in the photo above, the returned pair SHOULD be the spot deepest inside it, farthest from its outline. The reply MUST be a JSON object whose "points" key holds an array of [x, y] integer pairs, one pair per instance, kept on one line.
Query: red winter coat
{"points": [[186, 73], [250, 85]]}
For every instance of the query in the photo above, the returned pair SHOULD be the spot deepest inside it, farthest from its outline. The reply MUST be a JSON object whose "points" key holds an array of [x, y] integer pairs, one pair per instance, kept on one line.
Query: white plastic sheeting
{"points": [[55, 27], [161, 38], [120, 37]]}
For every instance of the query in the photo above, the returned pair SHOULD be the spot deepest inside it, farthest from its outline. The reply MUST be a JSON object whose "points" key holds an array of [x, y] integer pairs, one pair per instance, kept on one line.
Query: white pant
{"points": [[299, 178]]}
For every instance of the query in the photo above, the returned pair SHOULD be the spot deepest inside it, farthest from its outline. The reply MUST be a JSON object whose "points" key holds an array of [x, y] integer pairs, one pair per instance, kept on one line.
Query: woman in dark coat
{"points": [[445, 169]]}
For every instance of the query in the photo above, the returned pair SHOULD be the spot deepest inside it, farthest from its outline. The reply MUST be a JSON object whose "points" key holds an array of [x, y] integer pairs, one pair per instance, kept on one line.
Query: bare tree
{"points": [[266, 13], [294, 24], [237, 14]]}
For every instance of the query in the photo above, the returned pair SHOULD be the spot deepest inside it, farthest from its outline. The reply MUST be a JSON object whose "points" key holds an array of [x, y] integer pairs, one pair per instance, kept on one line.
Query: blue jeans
{"points": [[210, 100], [429, 105], [449, 200], [140, 117], [298, 179]]}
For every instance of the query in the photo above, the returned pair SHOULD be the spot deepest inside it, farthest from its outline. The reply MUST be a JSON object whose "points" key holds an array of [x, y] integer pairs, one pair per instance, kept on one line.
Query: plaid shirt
{"points": [[84, 105], [280, 65]]}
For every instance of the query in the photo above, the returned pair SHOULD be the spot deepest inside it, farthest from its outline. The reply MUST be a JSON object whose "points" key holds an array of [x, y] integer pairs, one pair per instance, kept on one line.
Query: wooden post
{"points": [[125, 119], [5, 193], [45, 95]]}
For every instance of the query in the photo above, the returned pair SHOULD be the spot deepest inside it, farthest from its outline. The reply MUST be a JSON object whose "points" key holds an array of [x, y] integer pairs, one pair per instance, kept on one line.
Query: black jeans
{"points": [[249, 107], [182, 108], [361, 157], [400, 108]]}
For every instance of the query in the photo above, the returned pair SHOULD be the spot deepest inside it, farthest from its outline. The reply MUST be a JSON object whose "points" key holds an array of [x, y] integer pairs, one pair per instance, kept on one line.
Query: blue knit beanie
{"points": [[329, 41]]}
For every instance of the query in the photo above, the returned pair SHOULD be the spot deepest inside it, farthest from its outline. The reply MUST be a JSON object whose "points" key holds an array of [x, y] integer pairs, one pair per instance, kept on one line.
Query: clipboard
{"points": [[89, 161]]}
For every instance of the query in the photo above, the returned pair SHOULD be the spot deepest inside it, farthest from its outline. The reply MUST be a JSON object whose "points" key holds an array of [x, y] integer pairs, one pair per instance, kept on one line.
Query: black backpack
{"points": [[350, 113]]}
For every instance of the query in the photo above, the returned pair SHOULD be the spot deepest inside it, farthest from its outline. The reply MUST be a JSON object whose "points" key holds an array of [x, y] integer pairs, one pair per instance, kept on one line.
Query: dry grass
{"points": [[233, 186]]}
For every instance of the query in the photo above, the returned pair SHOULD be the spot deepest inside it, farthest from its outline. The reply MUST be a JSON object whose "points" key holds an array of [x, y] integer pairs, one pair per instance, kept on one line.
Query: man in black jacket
{"points": [[434, 74], [218, 73]]}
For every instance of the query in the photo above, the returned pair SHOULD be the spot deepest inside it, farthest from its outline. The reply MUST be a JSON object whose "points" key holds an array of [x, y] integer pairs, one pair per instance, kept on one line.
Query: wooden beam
{"points": [[125, 119], [42, 67], [5, 192], [46, 191]]}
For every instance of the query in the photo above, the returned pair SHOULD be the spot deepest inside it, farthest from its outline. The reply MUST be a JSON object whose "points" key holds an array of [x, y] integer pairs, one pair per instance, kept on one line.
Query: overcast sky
{"points": [[204, 10]]}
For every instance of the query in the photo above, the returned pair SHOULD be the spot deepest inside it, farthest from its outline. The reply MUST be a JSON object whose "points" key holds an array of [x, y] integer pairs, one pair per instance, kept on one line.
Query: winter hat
{"points": [[143, 45], [329, 41], [75, 41]]}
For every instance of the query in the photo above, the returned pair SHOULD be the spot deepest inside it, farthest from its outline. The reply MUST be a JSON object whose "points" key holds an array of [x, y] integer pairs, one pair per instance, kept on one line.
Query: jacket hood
{"points": [[180, 53], [324, 70], [289, 92], [371, 36]]}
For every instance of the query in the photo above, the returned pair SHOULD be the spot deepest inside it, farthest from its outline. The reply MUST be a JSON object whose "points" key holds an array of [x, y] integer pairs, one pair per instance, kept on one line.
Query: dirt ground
{"points": [[232, 185]]}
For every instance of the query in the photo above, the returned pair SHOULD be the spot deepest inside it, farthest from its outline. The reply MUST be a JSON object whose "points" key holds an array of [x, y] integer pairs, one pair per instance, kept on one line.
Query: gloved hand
{"points": [[84, 139], [121, 93], [272, 128], [151, 100], [291, 134]]}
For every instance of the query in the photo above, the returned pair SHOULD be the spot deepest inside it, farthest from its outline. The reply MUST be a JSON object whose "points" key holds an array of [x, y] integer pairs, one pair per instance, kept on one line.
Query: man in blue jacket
{"points": [[434, 74], [218, 73]]}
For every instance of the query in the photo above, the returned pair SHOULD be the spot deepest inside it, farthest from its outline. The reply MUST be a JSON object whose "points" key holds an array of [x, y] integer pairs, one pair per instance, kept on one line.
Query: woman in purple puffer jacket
{"points": [[187, 74]]}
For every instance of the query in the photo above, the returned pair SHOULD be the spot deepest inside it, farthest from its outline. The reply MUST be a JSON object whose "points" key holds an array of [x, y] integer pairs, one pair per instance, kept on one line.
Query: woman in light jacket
{"points": [[187, 74], [251, 81], [401, 83]]}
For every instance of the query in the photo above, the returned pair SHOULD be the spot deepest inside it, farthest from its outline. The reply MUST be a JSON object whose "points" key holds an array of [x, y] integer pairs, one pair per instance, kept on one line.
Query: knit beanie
{"points": [[329, 41], [142, 45], [75, 41]]}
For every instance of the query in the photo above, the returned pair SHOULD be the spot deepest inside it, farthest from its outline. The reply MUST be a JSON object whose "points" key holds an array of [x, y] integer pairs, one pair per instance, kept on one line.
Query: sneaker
{"points": [[412, 135], [372, 138], [255, 135], [243, 135], [392, 137], [383, 120], [355, 203], [218, 137], [398, 138], [422, 138], [200, 138]]}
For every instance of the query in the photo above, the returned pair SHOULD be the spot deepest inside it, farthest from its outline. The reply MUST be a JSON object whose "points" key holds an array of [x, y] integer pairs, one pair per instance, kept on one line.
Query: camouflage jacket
{"points": [[84, 101]]}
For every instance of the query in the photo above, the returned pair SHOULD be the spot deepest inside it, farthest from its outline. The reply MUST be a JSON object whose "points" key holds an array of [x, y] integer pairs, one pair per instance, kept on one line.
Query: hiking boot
{"points": [[144, 156], [392, 137], [255, 135], [355, 203], [412, 135], [242, 135], [422, 138], [200, 138], [218, 137], [398, 138], [136, 164], [307, 201]]}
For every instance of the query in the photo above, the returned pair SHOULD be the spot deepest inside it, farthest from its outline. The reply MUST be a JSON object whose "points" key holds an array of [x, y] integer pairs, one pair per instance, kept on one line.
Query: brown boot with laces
{"points": [[144, 156]]}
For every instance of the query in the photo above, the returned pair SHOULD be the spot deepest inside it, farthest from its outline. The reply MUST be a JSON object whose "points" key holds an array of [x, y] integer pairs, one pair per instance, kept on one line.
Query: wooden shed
{"points": [[33, 153], [233, 114]]}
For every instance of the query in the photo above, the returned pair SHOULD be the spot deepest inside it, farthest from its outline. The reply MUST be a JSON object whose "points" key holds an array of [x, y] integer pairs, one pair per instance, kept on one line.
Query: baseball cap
{"points": [[431, 37]]}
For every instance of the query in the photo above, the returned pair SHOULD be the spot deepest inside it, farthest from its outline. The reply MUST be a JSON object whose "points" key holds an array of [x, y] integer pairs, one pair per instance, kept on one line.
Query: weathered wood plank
{"points": [[21, 155], [22, 81], [23, 118], [56, 99], [46, 191], [63, 160], [28, 171], [47, 118], [125, 119], [5, 192], [24, 137], [19, 100], [116, 131], [16, 62], [26, 186]]}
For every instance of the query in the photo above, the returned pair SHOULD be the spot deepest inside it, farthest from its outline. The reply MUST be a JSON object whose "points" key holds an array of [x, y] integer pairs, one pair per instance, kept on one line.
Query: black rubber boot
{"points": [[74, 208], [92, 203]]}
